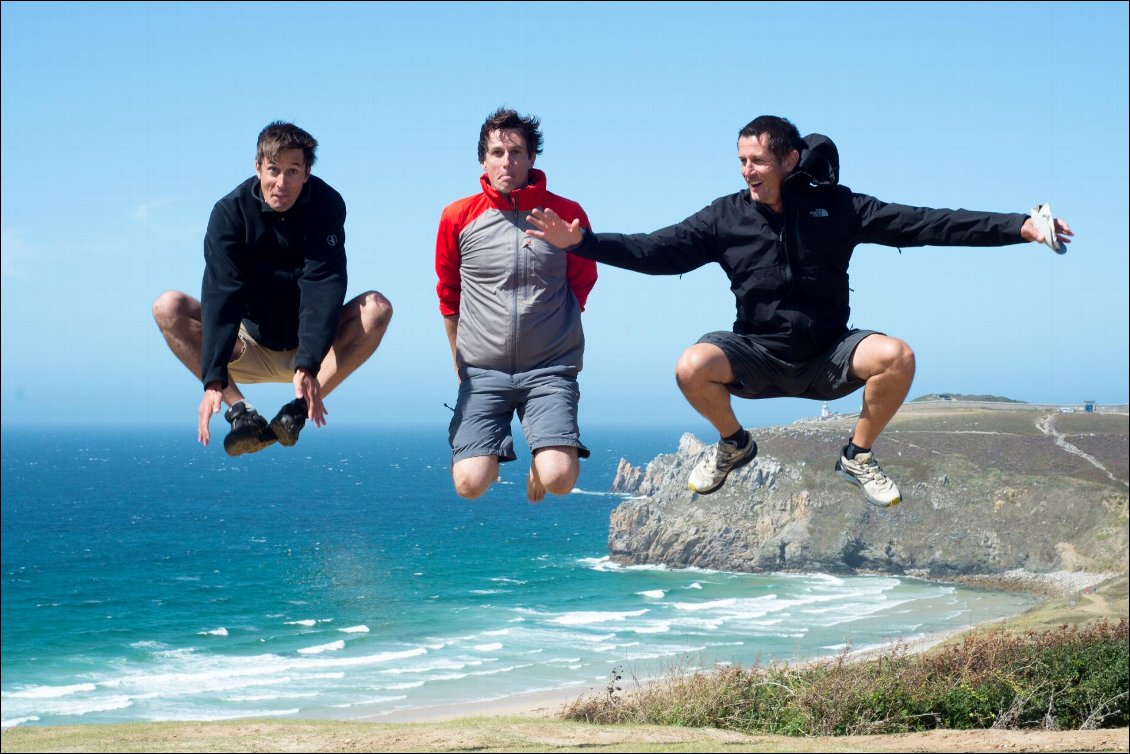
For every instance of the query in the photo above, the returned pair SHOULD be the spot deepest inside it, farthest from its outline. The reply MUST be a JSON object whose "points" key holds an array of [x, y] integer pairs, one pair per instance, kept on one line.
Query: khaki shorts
{"points": [[258, 363]]}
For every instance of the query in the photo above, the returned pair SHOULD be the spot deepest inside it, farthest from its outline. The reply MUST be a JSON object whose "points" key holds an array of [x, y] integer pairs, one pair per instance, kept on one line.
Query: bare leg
{"points": [[887, 364], [178, 316], [363, 322], [702, 372], [553, 469], [474, 476]]}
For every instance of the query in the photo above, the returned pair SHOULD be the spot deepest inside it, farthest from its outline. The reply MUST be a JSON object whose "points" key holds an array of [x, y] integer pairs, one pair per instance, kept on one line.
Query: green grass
{"points": [[1083, 422], [1071, 677]]}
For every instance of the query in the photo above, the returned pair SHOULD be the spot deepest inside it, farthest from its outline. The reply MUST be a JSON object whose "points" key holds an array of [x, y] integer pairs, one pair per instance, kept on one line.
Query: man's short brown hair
{"points": [[280, 136], [504, 119]]}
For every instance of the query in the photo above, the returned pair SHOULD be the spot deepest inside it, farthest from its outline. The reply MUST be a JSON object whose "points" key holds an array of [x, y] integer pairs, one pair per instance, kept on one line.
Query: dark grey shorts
{"points": [[762, 375], [546, 403]]}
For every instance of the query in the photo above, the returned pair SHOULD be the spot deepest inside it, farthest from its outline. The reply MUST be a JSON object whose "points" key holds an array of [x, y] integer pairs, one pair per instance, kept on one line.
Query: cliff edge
{"points": [[985, 491]]}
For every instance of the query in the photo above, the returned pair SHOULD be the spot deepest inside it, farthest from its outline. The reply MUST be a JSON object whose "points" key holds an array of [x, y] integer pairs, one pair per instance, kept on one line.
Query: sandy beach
{"points": [[543, 704], [1058, 585], [548, 704]]}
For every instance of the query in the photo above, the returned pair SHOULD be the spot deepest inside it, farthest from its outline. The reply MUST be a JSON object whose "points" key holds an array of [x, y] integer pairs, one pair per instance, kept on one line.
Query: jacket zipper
{"points": [[789, 235], [520, 285]]}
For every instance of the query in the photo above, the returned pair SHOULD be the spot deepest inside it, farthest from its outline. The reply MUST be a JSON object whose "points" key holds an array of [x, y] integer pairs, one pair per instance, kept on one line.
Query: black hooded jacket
{"points": [[789, 273], [281, 273]]}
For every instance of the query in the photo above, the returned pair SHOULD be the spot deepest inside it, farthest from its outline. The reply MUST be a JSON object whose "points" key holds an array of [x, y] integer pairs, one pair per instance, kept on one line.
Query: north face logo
{"points": [[818, 212]]}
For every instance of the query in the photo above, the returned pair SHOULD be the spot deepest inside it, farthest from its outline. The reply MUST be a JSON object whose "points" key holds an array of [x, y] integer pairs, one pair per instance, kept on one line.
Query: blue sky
{"points": [[123, 123]]}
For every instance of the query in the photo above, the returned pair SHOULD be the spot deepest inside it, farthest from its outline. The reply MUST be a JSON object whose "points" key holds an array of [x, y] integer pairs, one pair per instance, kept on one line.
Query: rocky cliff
{"points": [[984, 492]]}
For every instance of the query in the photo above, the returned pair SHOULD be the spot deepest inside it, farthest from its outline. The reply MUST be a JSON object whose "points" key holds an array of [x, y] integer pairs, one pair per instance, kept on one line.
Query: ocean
{"points": [[147, 578]]}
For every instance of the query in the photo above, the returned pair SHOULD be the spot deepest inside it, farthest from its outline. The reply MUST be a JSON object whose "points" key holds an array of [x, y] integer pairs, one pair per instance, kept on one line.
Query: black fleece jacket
{"points": [[282, 273], [789, 272]]}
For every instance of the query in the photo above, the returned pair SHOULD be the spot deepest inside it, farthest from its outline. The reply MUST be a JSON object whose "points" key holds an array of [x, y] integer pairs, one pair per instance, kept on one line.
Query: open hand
{"points": [[210, 404], [307, 386], [549, 227], [1031, 232]]}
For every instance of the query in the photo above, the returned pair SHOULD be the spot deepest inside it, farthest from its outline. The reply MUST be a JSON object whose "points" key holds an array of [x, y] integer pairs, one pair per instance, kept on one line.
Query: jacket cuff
{"points": [[587, 246], [307, 364]]}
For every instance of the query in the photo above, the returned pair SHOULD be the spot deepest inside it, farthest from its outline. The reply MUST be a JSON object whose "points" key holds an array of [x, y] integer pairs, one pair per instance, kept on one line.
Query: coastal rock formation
{"points": [[985, 492]]}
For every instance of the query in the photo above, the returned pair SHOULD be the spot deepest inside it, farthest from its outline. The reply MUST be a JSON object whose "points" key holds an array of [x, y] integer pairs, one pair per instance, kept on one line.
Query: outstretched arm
{"points": [[903, 225], [673, 250]]}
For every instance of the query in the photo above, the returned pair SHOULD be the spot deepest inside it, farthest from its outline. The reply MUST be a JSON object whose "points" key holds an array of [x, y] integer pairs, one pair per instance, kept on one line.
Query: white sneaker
{"points": [[864, 472], [712, 470], [1042, 218]]}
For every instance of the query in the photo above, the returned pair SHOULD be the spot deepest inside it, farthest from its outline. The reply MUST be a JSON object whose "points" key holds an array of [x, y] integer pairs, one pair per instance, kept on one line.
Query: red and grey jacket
{"points": [[519, 299]]}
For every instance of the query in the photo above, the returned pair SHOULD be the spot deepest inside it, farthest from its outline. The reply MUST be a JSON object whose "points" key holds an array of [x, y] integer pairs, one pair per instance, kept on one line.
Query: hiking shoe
{"points": [[864, 472], [1042, 218], [249, 431], [289, 421], [712, 470]]}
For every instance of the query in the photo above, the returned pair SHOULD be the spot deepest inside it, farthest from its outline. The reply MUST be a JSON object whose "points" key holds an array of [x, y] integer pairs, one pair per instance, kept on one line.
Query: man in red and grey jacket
{"points": [[512, 310]]}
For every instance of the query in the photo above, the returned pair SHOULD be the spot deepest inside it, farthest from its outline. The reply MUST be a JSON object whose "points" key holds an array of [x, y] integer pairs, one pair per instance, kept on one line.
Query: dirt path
{"points": [[522, 735], [1046, 424]]}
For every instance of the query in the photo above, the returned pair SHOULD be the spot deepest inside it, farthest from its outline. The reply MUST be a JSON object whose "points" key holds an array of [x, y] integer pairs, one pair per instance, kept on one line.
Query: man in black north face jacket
{"points": [[785, 243]]}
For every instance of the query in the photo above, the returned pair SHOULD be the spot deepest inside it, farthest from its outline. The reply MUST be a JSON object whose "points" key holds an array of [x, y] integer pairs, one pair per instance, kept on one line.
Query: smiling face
{"points": [[281, 178], [508, 160], [764, 172]]}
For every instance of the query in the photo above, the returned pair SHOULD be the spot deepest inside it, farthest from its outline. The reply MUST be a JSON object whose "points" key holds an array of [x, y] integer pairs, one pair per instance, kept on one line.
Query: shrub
{"points": [[1070, 677]]}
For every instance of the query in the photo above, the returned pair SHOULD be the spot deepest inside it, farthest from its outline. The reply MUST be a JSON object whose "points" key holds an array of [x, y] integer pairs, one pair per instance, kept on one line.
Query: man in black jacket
{"points": [[271, 306], [785, 244]]}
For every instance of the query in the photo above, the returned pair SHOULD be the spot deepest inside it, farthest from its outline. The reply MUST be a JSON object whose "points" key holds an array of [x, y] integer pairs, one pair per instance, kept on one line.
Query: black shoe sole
{"points": [[239, 443], [286, 430]]}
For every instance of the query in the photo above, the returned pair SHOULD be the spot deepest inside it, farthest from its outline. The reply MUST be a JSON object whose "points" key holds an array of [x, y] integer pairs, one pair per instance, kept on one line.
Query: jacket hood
{"points": [[820, 160]]}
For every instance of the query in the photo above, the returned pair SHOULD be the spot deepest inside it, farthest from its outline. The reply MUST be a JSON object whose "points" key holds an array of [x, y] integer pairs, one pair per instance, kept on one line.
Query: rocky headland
{"points": [[1008, 496]]}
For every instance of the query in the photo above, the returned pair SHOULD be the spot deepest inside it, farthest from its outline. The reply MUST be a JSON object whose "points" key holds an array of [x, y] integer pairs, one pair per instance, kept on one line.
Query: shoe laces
{"points": [[873, 472], [724, 454]]}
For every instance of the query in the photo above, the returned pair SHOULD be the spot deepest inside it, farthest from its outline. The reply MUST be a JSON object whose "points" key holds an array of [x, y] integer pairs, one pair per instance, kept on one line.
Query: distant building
{"points": [[1089, 406], [824, 411]]}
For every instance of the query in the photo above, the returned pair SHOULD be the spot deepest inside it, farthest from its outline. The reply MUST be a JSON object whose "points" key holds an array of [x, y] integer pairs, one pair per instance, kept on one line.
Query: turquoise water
{"points": [[147, 578]]}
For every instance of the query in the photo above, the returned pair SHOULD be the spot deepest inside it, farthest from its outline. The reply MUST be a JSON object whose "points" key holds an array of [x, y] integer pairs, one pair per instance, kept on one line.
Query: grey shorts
{"points": [[762, 375], [546, 403]]}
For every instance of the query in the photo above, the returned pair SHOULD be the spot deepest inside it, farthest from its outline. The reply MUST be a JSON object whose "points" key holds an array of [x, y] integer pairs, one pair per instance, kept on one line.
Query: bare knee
{"points": [[558, 469], [468, 486], [898, 357], [472, 480], [561, 485], [701, 363], [172, 307], [560, 481], [376, 311], [884, 358], [469, 490]]}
